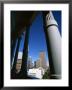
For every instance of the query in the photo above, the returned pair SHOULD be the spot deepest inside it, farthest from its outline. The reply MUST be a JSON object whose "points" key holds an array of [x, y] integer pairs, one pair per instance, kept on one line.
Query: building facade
{"points": [[36, 72], [18, 65], [19, 62], [29, 63], [41, 62]]}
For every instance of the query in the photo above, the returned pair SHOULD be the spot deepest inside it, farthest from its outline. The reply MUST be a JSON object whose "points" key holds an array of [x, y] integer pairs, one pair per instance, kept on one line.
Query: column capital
{"points": [[50, 20]]}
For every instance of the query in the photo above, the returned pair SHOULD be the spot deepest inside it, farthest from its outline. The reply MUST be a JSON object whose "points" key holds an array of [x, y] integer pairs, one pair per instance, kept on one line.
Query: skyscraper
{"points": [[42, 60], [29, 63], [38, 63], [34, 64]]}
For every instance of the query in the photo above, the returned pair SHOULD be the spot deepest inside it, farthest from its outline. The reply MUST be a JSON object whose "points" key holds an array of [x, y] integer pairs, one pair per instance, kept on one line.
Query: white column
{"points": [[54, 42]]}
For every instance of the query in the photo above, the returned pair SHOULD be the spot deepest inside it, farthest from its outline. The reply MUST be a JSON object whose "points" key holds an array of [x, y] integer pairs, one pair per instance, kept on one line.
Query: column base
{"points": [[54, 76]]}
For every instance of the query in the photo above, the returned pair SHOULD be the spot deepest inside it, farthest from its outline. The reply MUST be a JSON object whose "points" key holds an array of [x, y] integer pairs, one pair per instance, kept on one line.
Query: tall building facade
{"points": [[38, 63], [41, 62], [34, 64], [29, 63]]}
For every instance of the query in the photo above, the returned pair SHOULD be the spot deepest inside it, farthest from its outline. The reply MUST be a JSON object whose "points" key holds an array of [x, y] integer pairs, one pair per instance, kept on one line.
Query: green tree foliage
{"points": [[47, 74]]}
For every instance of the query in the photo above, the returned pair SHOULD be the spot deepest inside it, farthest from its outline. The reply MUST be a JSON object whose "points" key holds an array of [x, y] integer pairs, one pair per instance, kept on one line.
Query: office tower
{"points": [[42, 60], [29, 63], [38, 63], [34, 64]]}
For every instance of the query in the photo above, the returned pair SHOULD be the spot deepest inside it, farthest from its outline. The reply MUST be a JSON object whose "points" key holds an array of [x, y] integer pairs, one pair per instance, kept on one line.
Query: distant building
{"points": [[41, 62], [18, 65], [29, 63], [34, 64], [19, 62], [36, 72], [38, 63]]}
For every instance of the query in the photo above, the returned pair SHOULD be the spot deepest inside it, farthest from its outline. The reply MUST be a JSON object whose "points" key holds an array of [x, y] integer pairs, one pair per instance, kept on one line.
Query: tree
{"points": [[47, 74]]}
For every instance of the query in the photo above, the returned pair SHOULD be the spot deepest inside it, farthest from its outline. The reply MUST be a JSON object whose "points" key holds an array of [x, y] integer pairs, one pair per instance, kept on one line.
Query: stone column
{"points": [[23, 72], [13, 45], [13, 38], [13, 71], [54, 45]]}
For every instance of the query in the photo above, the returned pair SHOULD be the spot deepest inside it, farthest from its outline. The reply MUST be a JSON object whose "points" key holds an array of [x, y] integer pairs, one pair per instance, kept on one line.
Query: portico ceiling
{"points": [[19, 20]]}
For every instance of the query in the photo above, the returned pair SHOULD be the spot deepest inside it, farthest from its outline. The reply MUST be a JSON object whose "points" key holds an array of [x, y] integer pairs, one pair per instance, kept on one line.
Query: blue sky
{"points": [[37, 40]]}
